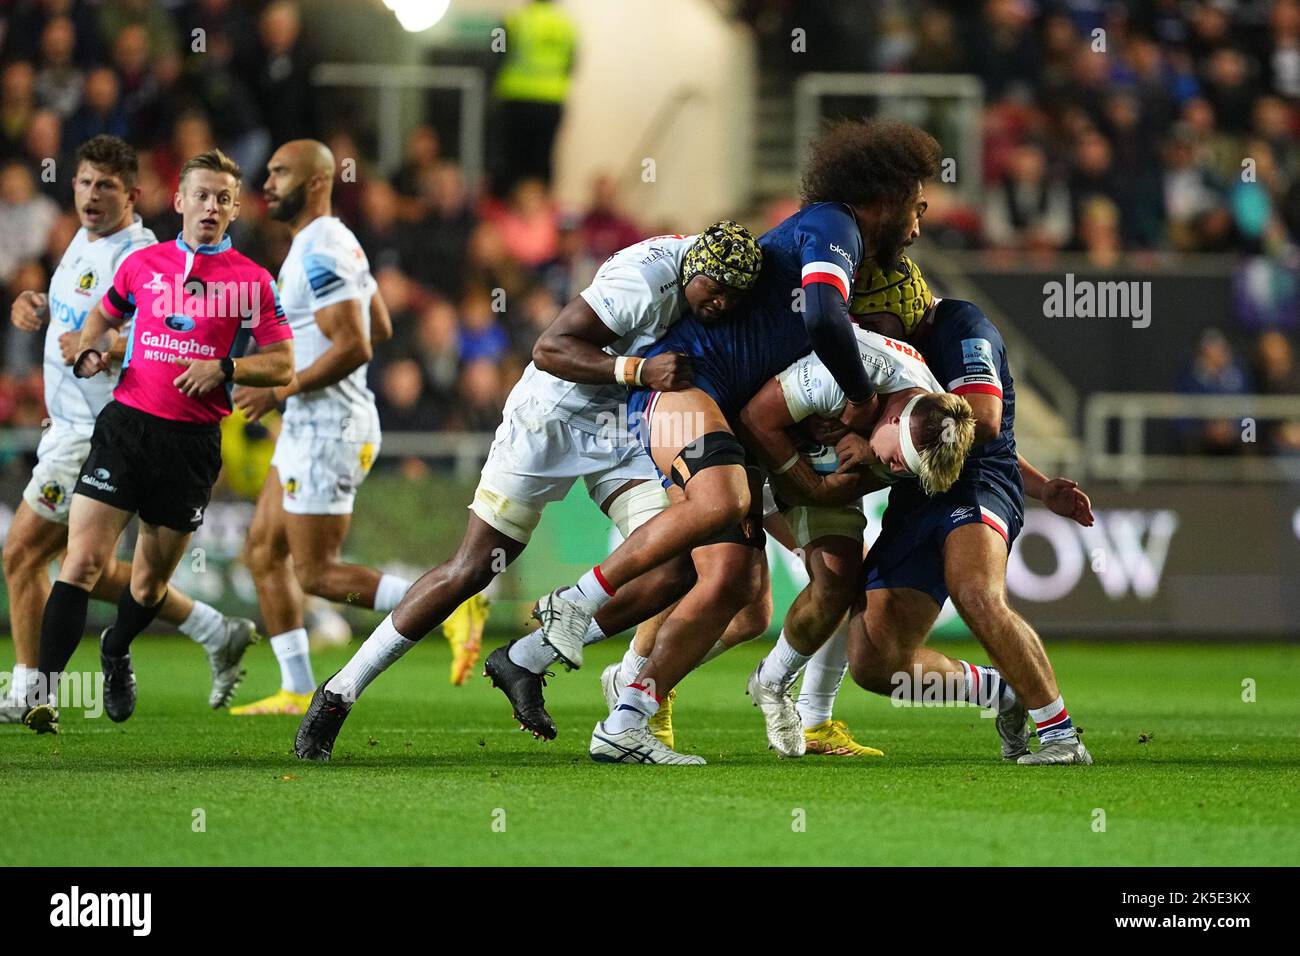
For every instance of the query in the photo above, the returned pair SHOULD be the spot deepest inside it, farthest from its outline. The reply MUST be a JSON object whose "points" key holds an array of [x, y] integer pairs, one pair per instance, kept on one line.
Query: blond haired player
{"points": [[956, 544]]}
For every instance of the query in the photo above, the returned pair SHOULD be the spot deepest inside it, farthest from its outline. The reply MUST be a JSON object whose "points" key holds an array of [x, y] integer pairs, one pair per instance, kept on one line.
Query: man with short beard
{"points": [[330, 432]]}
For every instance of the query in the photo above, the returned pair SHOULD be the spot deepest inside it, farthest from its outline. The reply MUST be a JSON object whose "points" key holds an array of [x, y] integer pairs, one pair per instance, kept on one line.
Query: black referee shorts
{"points": [[160, 469]]}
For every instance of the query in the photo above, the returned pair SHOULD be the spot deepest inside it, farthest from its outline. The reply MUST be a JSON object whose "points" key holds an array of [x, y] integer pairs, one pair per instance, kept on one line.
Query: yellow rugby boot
{"points": [[661, 724], [281, 702], [832, 738], [464, 632]]}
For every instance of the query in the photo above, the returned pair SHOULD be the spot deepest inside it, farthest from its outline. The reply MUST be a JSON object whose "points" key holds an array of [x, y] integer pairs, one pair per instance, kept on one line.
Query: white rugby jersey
{"points": [[637, 293], [327, 265], [84, 274], [810, 389]]}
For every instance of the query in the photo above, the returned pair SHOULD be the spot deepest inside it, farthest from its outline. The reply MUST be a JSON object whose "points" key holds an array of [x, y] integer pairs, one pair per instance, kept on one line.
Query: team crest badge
{"points": [[52, 495], [87, 281], [291, 486]]}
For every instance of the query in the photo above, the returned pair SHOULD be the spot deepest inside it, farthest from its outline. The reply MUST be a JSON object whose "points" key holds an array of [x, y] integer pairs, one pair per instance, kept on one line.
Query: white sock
{"points": [[589, 593], [1053, 722], [391, 590], [530, 652], [595, 634], [635, 707], [294, 654], [717, 650], [376, 654], [24, 678], [632, 664], [781, 665], [204, 625], [822, 678]]}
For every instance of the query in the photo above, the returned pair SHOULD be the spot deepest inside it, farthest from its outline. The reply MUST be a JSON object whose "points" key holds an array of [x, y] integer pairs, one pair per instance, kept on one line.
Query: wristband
{"points": [[76, 363], [627, 370], [228, 368]]}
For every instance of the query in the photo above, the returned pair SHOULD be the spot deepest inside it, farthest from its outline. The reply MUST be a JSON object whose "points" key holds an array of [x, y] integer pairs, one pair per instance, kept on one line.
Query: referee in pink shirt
{"points": [[194, 303]]}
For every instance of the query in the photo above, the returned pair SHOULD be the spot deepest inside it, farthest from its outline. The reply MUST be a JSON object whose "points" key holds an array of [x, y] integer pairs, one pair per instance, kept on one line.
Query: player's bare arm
{"points": [[988, 416], [30, 311], [93, 346], [573, 348], [764, 427], [349, 350], [1060, 495], [381, 321], [271, 366]]}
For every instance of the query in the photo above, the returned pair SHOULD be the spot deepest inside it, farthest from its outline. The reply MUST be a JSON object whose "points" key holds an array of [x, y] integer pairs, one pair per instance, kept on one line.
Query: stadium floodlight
{"points": [[416, 16]]}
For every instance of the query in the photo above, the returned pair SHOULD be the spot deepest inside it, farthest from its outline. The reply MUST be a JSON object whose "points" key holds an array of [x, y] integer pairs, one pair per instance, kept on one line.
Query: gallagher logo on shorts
{"points": [[179, 323], [99, 480]]}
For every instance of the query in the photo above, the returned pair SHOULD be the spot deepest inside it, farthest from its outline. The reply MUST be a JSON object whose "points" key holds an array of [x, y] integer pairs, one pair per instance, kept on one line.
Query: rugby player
{"points": [[956, 544], [104, 196], [921, 431], [329, 434], [156, 448], [830, 540], [863, 193], [562, 422]]}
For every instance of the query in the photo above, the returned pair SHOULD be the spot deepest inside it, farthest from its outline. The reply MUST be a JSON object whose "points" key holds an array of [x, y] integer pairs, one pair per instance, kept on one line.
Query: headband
{"points": [[910, 454]]}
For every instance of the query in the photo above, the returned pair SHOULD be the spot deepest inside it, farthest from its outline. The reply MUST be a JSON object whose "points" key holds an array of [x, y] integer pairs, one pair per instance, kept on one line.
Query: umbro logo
{"points": [[962, 513], [198, 516]]}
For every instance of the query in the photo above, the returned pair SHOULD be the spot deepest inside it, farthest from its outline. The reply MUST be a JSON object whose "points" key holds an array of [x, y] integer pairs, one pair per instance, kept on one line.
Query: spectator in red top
{"points": [[605, 230]]}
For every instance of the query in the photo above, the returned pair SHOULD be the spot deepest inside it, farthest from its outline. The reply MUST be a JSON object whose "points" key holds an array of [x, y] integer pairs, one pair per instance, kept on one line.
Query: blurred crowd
{"points": [[470, 278], [1117, 130], [1108, 126]]}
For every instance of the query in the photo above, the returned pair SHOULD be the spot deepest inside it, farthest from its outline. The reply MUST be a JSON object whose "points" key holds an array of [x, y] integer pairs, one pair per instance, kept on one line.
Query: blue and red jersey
{"points": [[799, 304]]}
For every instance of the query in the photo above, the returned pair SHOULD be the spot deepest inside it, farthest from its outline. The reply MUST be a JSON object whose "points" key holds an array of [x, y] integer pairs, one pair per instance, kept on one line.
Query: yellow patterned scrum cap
{"points": [[726, 252], [901, 292]]}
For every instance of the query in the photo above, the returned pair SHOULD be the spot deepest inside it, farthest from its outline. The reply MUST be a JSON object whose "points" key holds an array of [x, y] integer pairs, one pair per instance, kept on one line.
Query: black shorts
{"points": [[160, 469]]}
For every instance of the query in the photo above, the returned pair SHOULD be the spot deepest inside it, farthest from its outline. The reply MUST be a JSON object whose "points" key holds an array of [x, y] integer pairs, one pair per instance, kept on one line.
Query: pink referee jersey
{"points": [[200, 303]]}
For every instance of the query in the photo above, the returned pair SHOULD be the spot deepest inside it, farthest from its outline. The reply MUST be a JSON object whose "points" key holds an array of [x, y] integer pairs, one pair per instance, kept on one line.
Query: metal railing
{"points": [[389, 81], [1131, 411]]}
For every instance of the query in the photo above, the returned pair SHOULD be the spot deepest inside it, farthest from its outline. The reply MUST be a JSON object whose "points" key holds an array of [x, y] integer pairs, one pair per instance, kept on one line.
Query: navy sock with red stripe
{"points": [[986, 687]]}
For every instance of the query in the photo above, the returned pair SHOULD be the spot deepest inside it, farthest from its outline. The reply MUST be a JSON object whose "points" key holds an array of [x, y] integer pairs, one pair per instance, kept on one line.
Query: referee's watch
{"points": [[228, 368]]}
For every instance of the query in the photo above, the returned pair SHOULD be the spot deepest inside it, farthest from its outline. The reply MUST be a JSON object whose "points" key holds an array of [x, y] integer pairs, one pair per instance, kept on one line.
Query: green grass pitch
{"points": [[425, 773]]}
